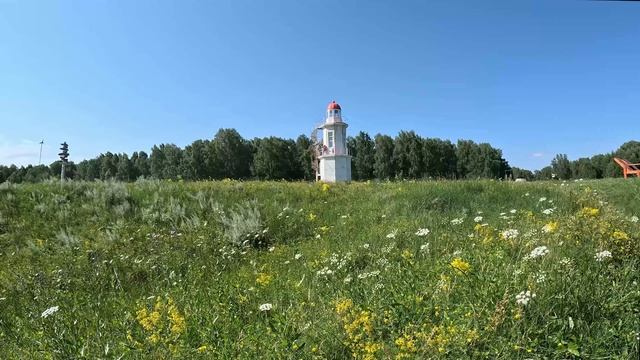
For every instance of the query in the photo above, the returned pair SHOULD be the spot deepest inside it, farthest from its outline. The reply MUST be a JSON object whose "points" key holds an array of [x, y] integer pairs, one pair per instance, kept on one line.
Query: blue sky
{"points": [[534, 78]]}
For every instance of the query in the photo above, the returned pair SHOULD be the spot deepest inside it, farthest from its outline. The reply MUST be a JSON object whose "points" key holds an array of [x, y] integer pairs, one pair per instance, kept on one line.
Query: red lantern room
{"points": [[333, 112]]}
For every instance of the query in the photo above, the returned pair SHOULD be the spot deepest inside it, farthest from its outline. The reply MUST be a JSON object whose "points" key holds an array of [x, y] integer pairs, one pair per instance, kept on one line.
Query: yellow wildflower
{"points": [[590, 212], [325, 187], [343, 306], [263, 279], [460, 265], [312, 216], [550, 227], [202, 349], [620, 235]]}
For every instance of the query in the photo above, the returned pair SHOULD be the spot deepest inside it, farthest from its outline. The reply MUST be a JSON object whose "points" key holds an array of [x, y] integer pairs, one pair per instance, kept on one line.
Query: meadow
{"points": [[270, 270]]}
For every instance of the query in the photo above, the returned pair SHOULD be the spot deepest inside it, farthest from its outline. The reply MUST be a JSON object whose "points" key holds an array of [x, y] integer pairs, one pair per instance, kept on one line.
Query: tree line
{"points": [[596, 167], [229, 155]]}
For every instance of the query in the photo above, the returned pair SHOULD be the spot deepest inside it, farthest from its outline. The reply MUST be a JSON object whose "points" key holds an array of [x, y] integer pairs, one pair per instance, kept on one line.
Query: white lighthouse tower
{"points": [[335, 162]]}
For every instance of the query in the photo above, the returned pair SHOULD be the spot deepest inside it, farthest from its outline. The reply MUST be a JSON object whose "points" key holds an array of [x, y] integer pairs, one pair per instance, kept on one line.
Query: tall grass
{"points": [[297, 270]]}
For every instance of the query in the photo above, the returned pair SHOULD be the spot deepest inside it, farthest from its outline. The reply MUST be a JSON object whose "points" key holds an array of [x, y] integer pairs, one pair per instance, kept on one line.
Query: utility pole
{"points": [[64, 157], [40, 158]]}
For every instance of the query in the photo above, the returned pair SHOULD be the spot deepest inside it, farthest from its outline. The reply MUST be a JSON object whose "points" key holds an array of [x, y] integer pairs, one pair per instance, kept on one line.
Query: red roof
{"points": [[334, 105]]}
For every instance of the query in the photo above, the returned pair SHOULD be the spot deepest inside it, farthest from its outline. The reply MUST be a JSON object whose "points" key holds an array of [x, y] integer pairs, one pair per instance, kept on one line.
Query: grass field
{"points": [[467, 269]]}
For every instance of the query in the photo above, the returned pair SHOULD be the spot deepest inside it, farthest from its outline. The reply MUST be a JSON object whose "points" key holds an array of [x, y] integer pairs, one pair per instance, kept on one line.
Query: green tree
{"points": [[440, 159], [561, 166], [363, 156], [275, 159], [230, 155], [407, 155], [383, 166], [125, 170], [195, 161], [583, 169], [305, 157]]}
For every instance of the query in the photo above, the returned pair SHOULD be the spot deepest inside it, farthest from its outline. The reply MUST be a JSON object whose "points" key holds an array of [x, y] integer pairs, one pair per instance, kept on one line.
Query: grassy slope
{"points": [[125, 263]]}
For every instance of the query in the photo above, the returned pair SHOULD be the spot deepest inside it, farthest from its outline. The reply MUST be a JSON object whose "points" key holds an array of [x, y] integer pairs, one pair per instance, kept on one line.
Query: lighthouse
{"points": [[335, 162]]}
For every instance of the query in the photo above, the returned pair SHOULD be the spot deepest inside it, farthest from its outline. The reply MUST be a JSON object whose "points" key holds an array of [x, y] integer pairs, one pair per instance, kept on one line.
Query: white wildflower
{"points": [[634, 219], [566, 262], [602, 255], [324, 271], [548, 211], [272, 248], [457, 221], [366, 246], [513, 211], [50, 311], [392, 235], [524, 297], [542, 199], [266, 307], [541, 277], [477, 219], [422, 232], [538, 252], [424, 247], [510, 234], [297, 256], [347, 280]]}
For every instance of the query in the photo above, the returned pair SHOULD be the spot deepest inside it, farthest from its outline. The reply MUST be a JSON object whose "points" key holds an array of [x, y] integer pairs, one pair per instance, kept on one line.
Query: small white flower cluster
{"points": [[541, 277], [383, 262], [524, 297], [510, 234], [325, 271], [365, 246], [422, 232], [297, 256], [513, 211], [547, 228], [602, 255], [566, 262], [477, 219], [392, 235], [424, 248], [537, 252], [634, 219], [457, 221], [347, 279], [548, 211], [542, 199], [387, 249], [50, 311], [378, 286], [265, 307], [369, 274]]}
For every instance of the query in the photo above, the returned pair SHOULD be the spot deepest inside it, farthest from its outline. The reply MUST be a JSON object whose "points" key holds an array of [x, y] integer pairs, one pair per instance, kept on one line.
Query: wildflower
{"points": [[324, 271], [50, 311], [620, 235], [541, 277], [344, 305], [265, 307], [524, 297], [347, 279], [297, 256], [634, 219], [550, 227], [422, 232], [590, 212], [325, 187], [542, 199], [176, 320], [460, 265], [602, 255], [263, 279], [407, 255], [312, 216], [513, 211], [202, 349], [477, 219], [424, 247], [548, 211], [566, 262], [392, 235], [457, 221], [538, 252], [365, 246], [510, 234]]}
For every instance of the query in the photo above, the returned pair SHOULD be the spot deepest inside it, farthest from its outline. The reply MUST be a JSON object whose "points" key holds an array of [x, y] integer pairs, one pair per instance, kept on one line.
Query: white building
{"points": [[335, 162]]}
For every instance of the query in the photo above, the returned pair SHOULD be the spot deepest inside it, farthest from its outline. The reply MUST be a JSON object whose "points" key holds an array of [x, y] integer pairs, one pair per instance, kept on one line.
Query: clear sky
{"points": [[533, 78]]}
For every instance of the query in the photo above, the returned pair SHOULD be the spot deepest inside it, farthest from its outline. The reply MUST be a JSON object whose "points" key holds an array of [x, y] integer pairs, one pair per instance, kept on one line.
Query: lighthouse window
{"points": [[330, 138]]}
